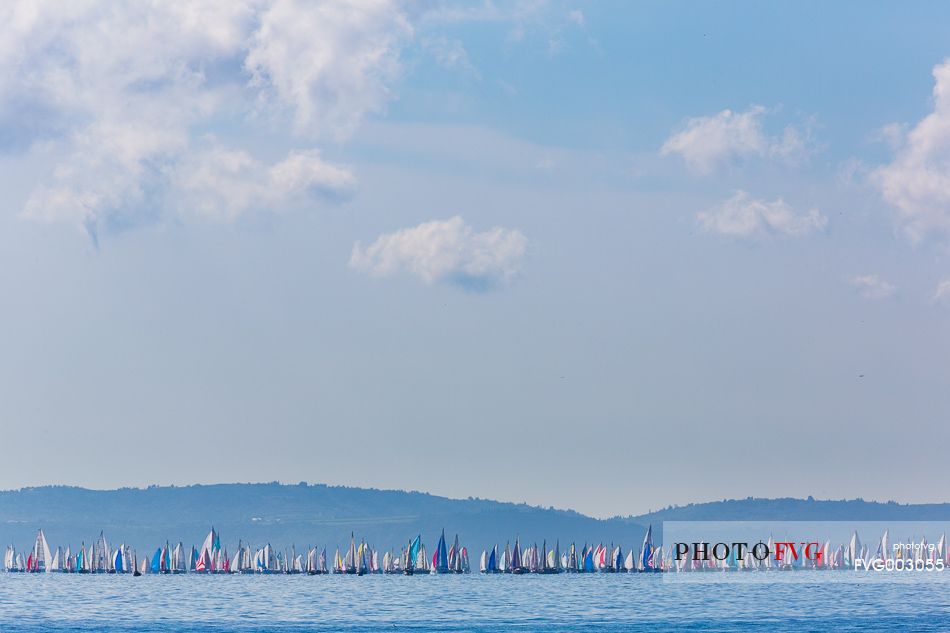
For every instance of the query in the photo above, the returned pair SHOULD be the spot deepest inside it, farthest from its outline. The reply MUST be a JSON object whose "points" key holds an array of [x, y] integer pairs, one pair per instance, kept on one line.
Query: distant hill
{"points": [[317, 514], [789, 509], [288, 514]]}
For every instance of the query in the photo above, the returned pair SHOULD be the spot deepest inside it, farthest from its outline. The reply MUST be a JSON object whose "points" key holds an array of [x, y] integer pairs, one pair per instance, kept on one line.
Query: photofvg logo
{"points": [[740, 554], [691, 547]]}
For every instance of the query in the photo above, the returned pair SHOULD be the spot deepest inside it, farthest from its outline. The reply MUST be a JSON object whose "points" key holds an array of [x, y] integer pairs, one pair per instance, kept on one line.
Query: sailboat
{"points": [[207, 561], [853, 552], [600, 558], [504, 560], [616, 560], [81, 560], [295, 563], [40, 559], [440, 559], [117, 562], [313, 562], [884, 548], [630, 565], [178, 562], [587, 555], [646, 552], [102, 563], [516, 565], [9, 559], [570, 560], [422, 560], [491, 564], [349, 561], [265, 562], [409, 565], [56, 563], [362, 564], [554, 558], [418, 562], [457, 557]]}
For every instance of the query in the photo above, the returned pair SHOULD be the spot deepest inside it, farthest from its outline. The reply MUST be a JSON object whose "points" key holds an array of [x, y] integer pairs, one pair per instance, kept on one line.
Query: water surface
{"points": [[800, 601]]}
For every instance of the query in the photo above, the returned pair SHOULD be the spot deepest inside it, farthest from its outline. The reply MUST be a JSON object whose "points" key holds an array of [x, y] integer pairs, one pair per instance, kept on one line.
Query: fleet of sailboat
{"points": [[360, 558]]}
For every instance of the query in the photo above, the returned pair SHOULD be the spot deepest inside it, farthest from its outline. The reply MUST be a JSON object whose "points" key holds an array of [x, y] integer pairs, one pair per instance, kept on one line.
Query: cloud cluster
{"points": [[917, 180], [118, 96], [873, 287], [707, 142], [445, 251], [745, 216]]}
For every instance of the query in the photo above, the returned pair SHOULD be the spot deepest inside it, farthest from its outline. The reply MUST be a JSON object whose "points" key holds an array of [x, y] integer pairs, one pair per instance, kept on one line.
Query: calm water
{"points": [[801, 601]]}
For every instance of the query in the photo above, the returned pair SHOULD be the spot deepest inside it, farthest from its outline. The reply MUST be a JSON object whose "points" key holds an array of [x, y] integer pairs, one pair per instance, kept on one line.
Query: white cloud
{"points": [[445, 251], [117, 97], [745, 216], [223, 184], [709, 141], [942, 293], [917, 181], [873, 287], [331, 62]]}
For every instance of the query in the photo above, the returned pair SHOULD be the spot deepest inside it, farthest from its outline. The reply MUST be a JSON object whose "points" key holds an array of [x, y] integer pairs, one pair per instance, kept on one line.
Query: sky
{"points": [[604, 256]]}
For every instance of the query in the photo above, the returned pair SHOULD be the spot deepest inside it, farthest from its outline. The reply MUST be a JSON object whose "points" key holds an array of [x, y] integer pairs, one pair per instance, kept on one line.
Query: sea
{"points": [[795, 601]]}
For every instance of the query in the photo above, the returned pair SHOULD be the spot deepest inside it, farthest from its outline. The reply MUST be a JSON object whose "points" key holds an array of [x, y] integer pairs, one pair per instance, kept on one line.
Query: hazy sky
{"points": [[606, 256]]}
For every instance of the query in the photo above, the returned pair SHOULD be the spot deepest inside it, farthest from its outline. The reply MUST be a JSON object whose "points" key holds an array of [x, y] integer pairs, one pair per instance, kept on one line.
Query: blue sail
{"points": [[646, 557], [492, 563], [157, 561], [589, 561], [732, 562], [442, 558], [414, 549]]}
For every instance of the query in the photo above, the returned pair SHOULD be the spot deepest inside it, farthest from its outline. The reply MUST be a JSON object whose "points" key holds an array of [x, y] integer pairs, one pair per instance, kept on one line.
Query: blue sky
{"points": [[607, 256]]}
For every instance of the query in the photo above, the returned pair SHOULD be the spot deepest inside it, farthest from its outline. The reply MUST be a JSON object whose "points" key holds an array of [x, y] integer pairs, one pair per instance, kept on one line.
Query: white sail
{"points": [[629, 563], [854, 550], [56, 562], [41, 553], [179, 560]]}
